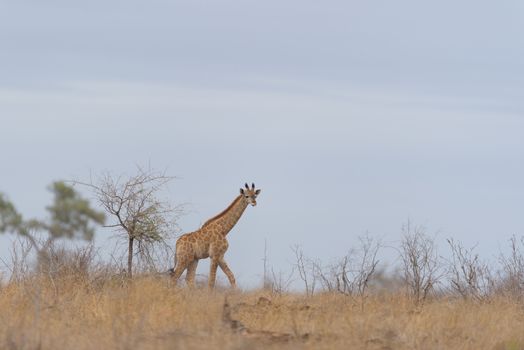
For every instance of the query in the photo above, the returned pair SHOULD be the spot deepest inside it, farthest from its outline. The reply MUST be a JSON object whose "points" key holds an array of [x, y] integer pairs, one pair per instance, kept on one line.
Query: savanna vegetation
{"points": [[73, 302], [58, 295]]}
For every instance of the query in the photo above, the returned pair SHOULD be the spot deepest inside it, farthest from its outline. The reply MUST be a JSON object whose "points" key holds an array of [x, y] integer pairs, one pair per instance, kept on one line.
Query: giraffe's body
{"points": [[210, 241]]}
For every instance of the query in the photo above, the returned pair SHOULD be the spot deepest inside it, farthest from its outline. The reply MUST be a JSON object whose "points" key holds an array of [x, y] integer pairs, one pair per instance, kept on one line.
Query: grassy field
{"points": [[72, 312]]}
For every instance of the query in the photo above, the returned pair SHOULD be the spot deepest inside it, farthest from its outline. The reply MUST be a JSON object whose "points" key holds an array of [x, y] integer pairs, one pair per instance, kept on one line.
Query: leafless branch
{"points": [[420, 262], [469, 276], [137, 212]]}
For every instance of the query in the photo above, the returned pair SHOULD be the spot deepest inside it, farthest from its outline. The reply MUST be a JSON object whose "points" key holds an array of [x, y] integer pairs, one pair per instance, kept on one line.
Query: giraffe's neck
{"points": [[227, 219]]}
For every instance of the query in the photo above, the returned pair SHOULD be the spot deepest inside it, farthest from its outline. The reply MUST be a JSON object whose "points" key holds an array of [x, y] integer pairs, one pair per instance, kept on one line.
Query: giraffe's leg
{"points": [[179, 269], [223, 265], [191, 272], [212, 273]]}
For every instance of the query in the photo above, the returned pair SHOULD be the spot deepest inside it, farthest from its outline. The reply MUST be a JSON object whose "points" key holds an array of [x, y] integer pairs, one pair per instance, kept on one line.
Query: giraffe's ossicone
{"points": [[210, 240]]}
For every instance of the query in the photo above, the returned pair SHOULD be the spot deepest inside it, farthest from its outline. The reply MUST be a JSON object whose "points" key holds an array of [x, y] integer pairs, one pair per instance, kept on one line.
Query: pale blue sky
{"points": [[351, 116]]}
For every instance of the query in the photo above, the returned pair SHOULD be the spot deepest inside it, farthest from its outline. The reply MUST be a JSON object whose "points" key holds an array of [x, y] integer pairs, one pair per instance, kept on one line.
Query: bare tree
{"points": [[280, 282], [18, 266], [470, 277], [420, 262], [137, 212], [351, 275], [306, 270], [512, 274], [266, 280], [366, 263]]}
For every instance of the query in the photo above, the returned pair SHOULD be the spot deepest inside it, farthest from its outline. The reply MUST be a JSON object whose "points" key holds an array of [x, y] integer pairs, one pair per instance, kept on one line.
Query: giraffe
{"points": [[210, 241]]}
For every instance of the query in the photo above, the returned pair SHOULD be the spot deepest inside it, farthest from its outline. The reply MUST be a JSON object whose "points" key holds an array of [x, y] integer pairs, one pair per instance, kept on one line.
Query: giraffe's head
{"points": [[249, 194]]}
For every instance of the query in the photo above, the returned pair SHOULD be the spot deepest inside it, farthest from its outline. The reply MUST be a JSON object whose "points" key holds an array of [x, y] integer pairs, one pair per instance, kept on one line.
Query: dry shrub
{"points": [[352, 274], [421, 265], [58, 260], [511, 276], [469, 276]]}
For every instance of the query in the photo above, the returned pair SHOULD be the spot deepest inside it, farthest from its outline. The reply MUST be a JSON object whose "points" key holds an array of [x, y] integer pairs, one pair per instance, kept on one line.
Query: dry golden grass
{"points": [[149, 313]]}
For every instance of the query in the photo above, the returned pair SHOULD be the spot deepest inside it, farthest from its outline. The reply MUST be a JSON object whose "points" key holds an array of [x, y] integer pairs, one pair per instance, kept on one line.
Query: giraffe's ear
{"points": [[257, 192], [241, 191]]}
